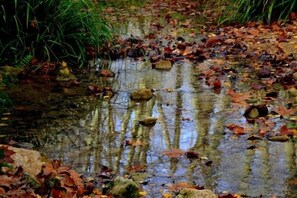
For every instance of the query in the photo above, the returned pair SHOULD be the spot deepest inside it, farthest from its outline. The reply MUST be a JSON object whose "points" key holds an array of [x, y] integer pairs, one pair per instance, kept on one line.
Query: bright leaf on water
{"points": [[173, 153], [238, 130]]}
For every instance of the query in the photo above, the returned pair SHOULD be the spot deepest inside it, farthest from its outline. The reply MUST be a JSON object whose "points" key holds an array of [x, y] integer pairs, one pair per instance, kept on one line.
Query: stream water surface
{"points": [[89, 132]]}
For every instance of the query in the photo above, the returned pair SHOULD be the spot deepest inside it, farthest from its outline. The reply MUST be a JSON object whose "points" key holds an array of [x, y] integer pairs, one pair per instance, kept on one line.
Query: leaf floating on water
{"points": [[238, 130], [283, 111], [173, 153], [284, 130], [167, 195], [106, 73]]}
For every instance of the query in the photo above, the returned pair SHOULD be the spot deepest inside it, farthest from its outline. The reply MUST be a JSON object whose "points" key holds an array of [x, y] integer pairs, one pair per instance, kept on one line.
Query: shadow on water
{"points": [[88, 132]]}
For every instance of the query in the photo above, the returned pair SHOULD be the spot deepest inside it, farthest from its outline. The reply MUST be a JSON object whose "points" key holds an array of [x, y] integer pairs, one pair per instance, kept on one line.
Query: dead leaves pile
{"points": [[53, 180]]}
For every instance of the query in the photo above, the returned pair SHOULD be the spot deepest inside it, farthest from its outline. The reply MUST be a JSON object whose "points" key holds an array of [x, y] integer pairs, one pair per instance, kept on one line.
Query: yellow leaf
{"points": [[142, 193], [64, 64], [166, 195]]}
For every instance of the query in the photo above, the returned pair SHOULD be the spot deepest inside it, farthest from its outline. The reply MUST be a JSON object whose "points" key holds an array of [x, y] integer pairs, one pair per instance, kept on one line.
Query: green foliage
{"points": [[5, 102], [51, 30], [25, 61], [123, 3], [2, 163], [253, 10]]}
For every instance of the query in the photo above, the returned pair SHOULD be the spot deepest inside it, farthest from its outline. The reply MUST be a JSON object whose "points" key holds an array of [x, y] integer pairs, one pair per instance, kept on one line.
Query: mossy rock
{"points": [[278, 138], [124, 188], [163, 65], [143, 94], [148, 122]]}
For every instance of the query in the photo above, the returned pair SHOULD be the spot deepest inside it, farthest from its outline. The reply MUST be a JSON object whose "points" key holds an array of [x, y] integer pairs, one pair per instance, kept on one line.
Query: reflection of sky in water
{"points": [[190, 117]]}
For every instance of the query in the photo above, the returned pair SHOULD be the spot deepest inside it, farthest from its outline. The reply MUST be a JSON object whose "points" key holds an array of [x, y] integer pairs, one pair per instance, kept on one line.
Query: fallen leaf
{"points": [[173, 153], [284, 130], [283, 111], [238, 130], [238, 97]]}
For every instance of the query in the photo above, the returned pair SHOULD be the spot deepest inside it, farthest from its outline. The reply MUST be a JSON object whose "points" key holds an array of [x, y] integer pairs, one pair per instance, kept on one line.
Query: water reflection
{"points": [[95, 132]]}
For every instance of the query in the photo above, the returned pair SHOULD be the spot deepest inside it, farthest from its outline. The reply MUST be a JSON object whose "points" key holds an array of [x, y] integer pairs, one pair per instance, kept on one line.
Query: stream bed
{"points": [[91, 133]]}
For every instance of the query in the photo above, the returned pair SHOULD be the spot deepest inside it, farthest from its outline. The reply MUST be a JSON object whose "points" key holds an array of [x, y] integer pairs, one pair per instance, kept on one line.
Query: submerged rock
{"points": [[278, 138], [149, 122], [143, 94], [194, 193], [163, 65], [124, 188]]}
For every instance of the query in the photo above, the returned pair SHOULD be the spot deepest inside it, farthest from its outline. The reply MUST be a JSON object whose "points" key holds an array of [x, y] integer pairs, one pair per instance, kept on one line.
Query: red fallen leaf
{"points": [[188, 50], [192, 155], [133, 143], [180, 185], [73, 180], [293, 16], [238, 130], [283, 111], [106, 73], [137, 168], [167, 50], [265, 126], [47, 171], [6, 181], [212, 41], [217, 84], [284, 130], [173, 153], [150, 36], [238, 97], [57, 193], [7, 154]]}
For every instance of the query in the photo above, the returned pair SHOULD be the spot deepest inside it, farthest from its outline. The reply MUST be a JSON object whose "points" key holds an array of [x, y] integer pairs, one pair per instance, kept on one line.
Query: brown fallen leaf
{"points": [[238, 130], [7, 153], [173, 153]]}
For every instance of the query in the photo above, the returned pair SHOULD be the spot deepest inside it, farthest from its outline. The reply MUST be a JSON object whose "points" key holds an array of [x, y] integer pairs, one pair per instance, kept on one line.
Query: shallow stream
{"points": [[89, 133]]}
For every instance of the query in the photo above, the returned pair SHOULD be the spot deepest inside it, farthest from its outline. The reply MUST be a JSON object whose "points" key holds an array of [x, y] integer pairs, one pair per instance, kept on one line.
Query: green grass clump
{"points": [[123, 3], [258, 10], [50, 30]]}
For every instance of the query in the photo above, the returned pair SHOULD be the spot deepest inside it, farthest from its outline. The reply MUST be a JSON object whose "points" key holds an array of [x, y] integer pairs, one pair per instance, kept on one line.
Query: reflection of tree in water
{"points": [[100, 135]]}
